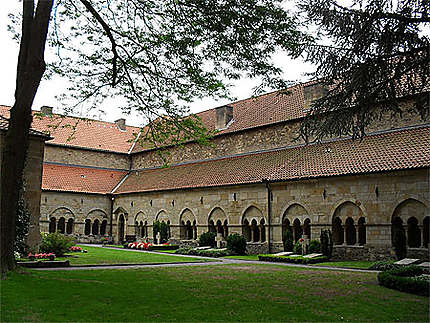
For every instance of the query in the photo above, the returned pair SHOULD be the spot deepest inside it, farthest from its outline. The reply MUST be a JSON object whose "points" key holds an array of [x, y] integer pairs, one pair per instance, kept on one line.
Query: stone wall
{"points": [[74, 156], [32, 186]]}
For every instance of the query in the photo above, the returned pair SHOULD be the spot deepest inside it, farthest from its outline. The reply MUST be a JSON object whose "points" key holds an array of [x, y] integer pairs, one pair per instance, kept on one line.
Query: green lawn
{"points": [[347, 264], [97, 255], [244, 292]]}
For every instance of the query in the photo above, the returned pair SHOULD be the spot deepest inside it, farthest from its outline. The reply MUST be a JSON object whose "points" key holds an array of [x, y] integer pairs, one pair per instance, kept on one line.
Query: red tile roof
{"points": [[405, 149], [4, 125], [258, 111], [75, 132], [80, 179]]}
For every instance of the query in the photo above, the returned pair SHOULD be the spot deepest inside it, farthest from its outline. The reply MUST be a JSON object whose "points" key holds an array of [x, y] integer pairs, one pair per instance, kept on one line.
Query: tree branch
{"points": [[108, 31]]}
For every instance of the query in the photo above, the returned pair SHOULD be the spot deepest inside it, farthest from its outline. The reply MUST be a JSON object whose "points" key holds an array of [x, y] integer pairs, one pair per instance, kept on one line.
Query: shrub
{"points": [[207, 239], [405, 280], [293, 260], [384, 266], [202, 253], [288, 240], [298, 248], [326, 243], [161, 227], [22, 227], [236, 243], [314, 246], [399, 243], [56, 243]]}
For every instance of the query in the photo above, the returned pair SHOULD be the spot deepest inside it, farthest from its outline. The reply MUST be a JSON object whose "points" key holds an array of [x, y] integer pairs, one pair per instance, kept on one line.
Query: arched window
{"points": [[87, 230], [189, 230], [69, 226], [211, 226], [286, 227], [95, 229], [307, 228], [337, 231], [219, 227], [255, 231], [351, 235], [414, 233], [61, 225], [246, 230], [262, 231], [361, 231], [297, 230], [396, 225], [103, 227], [121, 228], [426, 227], [52, 225]]}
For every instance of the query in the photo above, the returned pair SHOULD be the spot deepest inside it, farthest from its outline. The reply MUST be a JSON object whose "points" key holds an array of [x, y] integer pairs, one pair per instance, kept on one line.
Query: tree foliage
{"points": [[367, 55]]}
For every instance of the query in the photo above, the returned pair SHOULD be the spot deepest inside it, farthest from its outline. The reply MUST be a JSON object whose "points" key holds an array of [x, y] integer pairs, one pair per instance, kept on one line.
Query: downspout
{"points": [[269, 211]]}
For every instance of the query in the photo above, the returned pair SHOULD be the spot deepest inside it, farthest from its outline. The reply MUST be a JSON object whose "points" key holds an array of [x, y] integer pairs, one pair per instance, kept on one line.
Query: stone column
{"points": [[405, 228], [357, 234], [252, 234], [344, 234]]}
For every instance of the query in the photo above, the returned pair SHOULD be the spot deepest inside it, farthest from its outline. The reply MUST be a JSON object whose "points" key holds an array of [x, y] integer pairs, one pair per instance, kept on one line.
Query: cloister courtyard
{"points": [[167, 287]]}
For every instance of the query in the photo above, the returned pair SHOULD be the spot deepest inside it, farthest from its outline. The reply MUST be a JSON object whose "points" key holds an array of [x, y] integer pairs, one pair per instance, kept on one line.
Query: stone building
{"points": [[32, 178], [257, 179]]}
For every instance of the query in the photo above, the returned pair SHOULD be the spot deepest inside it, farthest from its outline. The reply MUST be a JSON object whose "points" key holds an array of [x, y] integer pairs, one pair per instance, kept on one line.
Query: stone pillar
{"points": [[405, 228], [357, 235], [344, 234], [421, 227], [252, 234]]}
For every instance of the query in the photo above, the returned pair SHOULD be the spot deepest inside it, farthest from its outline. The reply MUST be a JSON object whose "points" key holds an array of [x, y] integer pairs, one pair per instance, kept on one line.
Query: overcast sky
{"points": [[293, 70]]}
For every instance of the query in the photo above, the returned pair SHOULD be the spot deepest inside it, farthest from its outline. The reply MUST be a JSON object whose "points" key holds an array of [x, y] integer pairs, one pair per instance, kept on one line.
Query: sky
{"points": [[48, 89]]}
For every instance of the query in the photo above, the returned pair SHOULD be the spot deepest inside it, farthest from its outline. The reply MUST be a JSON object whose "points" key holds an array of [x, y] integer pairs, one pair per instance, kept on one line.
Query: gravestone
{"points": [[425, 264], [406, 261], [284, 253], [158, 237], [313, 255], [202, 248], [218, 240]]}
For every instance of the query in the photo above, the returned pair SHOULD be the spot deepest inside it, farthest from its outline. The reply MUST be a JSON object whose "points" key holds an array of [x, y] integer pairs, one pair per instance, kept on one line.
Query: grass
{"points": [[359, 264], [242, 292], [98, 256], [165, 251]]}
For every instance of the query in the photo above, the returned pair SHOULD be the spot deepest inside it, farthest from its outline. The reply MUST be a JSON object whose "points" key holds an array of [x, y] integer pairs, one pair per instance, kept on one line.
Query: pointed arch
{"points": [[162, 215]]}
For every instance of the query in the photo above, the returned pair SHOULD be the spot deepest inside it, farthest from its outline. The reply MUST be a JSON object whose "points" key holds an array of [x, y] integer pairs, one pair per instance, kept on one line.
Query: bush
{"points": [[22, 227], [207, 239], [56, 243], [326, 243], [399, 243], [405, 280], [236, 243], [293, 260], [384, 266], [203, 253], [288, 240], [161, 227], [297, 248], [314, 246]]}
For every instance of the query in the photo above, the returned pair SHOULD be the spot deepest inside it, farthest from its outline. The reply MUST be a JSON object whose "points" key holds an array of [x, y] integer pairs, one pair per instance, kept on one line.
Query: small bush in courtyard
{"points": [[408, 279], [236, 243], [314, 246], [207, 239], [288, 240], [56, 243], [298, 248], [384, 266], [399, 243], [326, 243]]}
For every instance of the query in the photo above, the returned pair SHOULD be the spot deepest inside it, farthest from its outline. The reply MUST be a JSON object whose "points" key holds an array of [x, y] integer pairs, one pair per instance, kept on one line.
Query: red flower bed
{"points": [[50, 256], [75, 249], [139, 245]]}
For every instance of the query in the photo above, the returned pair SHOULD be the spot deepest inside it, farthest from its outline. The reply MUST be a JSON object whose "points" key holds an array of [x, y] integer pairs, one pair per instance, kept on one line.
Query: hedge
{"points": [[166, 247], [405, 280], [293, 260], [203, 253]]}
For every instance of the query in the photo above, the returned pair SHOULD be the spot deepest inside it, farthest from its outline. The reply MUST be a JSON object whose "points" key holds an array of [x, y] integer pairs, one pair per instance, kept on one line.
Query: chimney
{"points": [[223, 116], [46, 110], [313, 92], [121, 124]]}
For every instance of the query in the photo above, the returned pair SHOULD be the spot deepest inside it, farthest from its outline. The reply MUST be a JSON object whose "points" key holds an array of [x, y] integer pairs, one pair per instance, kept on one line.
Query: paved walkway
{"points": [[217, 262]]}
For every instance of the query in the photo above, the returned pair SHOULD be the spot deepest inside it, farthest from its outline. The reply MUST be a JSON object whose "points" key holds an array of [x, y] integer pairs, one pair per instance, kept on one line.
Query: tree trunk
{"points": [[30, 69]]}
